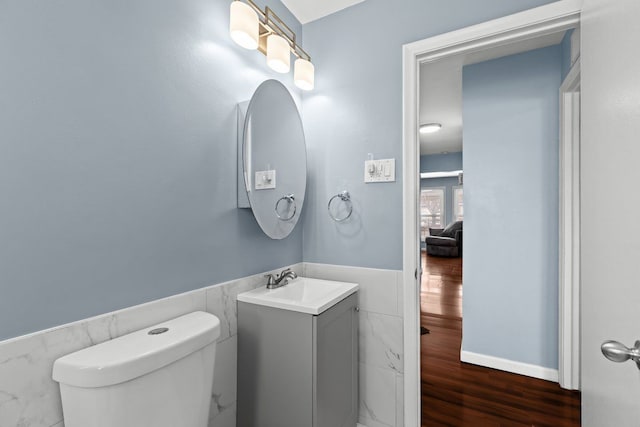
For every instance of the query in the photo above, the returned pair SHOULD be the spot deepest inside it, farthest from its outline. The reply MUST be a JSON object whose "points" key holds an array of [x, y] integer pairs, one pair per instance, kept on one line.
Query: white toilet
{"points": [[157, 377]]}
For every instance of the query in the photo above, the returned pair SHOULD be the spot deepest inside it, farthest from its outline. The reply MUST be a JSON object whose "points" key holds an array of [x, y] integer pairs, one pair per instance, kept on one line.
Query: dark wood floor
{"points": [[460, 394]]}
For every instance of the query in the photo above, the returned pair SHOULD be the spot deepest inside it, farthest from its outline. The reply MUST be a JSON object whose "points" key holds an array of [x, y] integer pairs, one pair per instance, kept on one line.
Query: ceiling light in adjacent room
{"points": [[244, 25], [430, 128], [303, 74], [278, 54]]}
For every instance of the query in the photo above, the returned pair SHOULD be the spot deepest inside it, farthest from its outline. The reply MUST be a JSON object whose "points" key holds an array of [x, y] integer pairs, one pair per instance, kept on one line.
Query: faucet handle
{"points": [[283, 272], [271, 279], [287, 274]]}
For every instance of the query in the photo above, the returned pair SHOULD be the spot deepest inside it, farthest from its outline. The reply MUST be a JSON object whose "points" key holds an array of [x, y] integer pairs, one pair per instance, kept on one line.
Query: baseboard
{"points": [[507, 365]]}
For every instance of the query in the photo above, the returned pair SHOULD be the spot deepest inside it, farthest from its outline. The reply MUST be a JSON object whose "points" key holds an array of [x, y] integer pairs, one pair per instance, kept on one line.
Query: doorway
{"points": [[521, 27], [441, 192], [510, 150]]}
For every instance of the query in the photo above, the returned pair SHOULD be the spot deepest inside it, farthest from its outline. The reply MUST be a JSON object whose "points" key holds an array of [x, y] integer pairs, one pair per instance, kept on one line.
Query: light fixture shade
{"points": [[303, 74], [430, 128], [278, 54], [243, 25]]}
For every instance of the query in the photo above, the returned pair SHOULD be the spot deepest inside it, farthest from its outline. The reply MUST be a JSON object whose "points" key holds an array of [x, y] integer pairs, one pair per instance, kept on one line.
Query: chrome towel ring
{"points": [[291, 199], [346, 198]]}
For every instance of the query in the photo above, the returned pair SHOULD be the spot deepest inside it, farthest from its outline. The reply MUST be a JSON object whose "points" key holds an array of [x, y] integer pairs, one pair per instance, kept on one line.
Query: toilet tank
{"points": [[157, 377]]}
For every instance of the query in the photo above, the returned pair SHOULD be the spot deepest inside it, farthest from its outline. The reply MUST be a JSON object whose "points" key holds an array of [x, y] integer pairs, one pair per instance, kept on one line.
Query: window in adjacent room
{"points": [[431, 210], [458, 204]]}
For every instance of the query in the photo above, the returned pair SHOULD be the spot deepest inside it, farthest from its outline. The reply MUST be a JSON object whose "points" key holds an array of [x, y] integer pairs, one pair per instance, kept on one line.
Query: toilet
{"points": [[157, 377]]}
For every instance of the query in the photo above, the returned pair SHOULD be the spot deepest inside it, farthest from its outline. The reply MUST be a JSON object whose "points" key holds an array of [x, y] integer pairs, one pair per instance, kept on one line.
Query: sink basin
{"points": [[305, 295]]}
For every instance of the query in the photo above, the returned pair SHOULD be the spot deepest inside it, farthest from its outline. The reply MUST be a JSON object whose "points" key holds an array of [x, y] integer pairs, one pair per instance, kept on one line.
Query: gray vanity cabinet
{"points": [[297, 369]]}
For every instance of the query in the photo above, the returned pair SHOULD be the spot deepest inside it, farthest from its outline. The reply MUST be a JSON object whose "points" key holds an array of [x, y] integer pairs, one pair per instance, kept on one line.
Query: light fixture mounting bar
{"points": [[270, 23]]}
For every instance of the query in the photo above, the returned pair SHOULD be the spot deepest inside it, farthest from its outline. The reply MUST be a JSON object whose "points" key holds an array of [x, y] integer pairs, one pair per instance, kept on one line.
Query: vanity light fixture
{"points": [[243, 25], [303, 74], [430, 128], [253, 28], [278, 56]]}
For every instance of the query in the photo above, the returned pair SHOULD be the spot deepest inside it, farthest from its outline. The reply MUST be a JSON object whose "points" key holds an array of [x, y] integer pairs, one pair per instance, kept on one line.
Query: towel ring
{"points": [[291, 199], [345, 197]]}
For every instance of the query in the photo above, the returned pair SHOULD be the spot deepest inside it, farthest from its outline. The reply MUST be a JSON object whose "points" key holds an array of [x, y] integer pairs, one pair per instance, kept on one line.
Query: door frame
{"points": [[569, 232], [544, 20]]}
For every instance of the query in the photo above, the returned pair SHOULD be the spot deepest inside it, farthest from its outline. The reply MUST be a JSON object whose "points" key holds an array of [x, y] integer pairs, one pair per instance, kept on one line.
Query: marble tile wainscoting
{"points": [[30, 398], [380, 341]]}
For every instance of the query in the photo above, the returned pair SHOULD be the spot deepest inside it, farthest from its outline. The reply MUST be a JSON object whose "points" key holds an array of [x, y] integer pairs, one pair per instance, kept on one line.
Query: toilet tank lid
{"points": [[138, 353]]}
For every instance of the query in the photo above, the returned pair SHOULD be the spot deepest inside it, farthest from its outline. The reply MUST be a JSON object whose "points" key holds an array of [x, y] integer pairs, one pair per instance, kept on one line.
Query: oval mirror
{"points": [[274, 159]]}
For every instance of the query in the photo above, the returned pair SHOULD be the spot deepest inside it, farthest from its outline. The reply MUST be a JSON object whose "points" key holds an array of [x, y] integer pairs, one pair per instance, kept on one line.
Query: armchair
{"points": [[447, 242]]}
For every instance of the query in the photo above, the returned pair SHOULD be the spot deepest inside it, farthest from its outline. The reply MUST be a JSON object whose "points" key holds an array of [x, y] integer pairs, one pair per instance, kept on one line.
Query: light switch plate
{"points": [[265, 180], [383, 170]]}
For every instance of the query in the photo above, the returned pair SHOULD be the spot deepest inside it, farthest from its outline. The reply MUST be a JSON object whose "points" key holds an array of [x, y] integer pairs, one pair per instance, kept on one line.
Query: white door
{"points": [[610, 266]]}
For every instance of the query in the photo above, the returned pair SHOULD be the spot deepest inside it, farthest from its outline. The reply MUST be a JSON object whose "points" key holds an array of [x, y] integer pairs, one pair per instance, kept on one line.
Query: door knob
{"points": [[617, 352]]}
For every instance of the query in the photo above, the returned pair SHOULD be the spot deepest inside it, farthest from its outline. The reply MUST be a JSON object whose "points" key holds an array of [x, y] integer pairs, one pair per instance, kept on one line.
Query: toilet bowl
{"points": [[157, 377]]}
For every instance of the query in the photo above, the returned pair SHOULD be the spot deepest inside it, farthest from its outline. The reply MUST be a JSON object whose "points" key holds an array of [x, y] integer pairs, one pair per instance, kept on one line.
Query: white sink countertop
{"points": [[305, 295]]}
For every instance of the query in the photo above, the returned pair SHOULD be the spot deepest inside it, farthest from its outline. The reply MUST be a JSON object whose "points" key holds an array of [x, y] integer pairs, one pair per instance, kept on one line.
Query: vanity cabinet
{"points": [[297, 369]]}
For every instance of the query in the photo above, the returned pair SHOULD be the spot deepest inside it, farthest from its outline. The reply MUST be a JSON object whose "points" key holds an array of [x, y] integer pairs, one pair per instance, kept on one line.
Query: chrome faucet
{"points": [[281, 279]]}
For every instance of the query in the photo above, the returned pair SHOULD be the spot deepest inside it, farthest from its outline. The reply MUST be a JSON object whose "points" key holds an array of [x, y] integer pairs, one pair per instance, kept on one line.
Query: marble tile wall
{"points": [[380, 340], [30, 398]]}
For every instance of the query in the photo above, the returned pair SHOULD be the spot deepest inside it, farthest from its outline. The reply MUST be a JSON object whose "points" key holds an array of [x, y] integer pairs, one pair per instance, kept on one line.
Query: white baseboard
{"points": [[507, 365]]}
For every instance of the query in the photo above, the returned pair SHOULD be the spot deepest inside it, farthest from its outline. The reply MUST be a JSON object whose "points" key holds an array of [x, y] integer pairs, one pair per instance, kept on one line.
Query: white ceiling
{"points": [[310, 10], [441, 102], [441, 92]]}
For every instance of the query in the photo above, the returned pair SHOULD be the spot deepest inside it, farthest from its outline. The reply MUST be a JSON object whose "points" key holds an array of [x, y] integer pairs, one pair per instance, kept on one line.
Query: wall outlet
{"points": [[383, 170], [265, 180]]}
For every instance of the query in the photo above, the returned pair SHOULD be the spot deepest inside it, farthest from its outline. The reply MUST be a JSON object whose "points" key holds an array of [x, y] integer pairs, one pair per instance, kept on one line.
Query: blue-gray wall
{"points": [[118, 156], [442, 163], [510, 114], [356, 109]]}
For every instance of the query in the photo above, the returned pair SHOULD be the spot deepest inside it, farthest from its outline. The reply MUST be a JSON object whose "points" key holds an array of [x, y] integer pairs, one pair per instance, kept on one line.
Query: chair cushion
{"points": [[441, 241], [435, 231], [446, 251], [451, 229]]}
